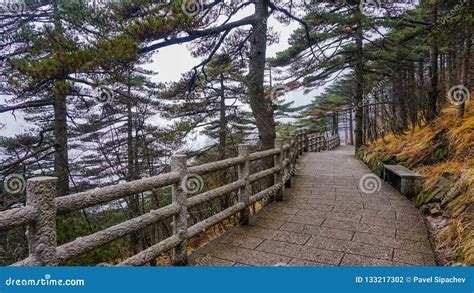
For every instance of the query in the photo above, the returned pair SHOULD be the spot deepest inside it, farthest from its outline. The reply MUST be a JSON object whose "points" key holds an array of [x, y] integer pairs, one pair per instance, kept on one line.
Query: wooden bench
{"points": [[404, 179]]}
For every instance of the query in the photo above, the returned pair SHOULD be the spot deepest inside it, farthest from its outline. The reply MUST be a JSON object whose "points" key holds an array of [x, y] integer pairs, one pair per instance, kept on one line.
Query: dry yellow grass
{"points": [[419, 149]]}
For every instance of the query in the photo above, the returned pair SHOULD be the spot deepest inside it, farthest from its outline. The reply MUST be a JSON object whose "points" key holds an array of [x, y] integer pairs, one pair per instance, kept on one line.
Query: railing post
{"points": [[279, 161], [294, 150], [244, 192], [294, 145], [301, 140], [180, 220], [40, 194], [287, 141], [297, 143], [306, 141], [310, 142]]}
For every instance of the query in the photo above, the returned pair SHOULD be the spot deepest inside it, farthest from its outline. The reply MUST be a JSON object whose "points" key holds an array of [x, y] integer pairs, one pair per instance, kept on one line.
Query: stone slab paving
{"points": [[327, 219]]}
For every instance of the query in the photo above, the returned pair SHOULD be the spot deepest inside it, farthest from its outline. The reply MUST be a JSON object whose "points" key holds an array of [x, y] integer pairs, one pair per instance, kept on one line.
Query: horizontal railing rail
{"points": [[319, 142], [42, 205]]}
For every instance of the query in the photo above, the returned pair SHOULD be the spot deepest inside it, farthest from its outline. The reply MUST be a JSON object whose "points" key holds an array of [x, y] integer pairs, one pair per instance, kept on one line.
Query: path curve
{"points": [[326, 220]]}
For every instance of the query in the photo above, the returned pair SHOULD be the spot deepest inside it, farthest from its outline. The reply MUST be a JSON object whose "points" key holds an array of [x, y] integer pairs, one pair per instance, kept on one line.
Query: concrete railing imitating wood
{"points": [[318, 143], [42, 205]]}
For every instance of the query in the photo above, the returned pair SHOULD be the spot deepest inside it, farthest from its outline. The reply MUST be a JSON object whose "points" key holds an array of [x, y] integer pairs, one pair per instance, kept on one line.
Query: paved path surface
{"points": [[326, 220]]}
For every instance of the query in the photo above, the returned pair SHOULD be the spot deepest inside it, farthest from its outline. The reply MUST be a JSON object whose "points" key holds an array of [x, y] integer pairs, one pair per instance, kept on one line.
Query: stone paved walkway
{"points": [[325, 220]]}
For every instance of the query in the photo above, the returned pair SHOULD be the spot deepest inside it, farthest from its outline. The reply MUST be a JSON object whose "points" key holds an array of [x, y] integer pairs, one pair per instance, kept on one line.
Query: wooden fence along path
{"points": [[326, 218], [42, 205]]}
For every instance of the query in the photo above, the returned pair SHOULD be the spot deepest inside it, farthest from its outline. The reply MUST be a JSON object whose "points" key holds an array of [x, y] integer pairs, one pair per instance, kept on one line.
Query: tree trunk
{"points": [[225, 200], [421, 91], [400, 91], [374, 130], [412, 107], [261, 107], [130, 151], [351, 129], [61, 161], [450, 64], [443, 77], [222, 120], [382, 120], [359, 90], [465, 79], [432, 110], [134, 200]]}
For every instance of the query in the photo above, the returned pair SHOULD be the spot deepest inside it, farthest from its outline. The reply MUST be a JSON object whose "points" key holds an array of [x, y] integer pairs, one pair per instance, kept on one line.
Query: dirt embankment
{"points": [[443, 151]]}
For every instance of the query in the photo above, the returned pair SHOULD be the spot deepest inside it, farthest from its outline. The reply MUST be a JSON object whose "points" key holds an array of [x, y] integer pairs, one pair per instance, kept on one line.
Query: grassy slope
{"points": [[443, 152]]}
